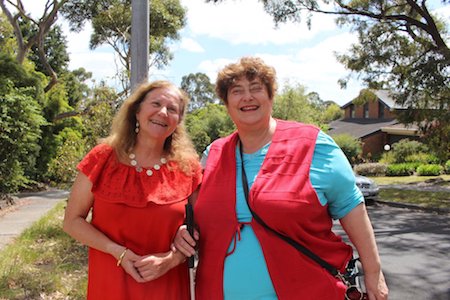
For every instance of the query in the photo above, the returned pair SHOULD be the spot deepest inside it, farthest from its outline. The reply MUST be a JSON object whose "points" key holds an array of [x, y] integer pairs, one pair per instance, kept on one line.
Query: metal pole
{"points": [[139, 41]]}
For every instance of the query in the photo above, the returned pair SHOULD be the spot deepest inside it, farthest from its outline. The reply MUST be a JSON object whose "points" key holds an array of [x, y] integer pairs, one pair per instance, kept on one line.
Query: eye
{"points": [[172, 109], [156, 104], [237, 91], [256, 88]]}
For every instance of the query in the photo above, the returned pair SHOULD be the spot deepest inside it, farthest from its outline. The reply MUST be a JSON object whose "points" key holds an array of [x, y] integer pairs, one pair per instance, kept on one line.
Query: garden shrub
{"points": [[429, 170], [371, 169], [447, 167], [350, 145], [404, 169], [404, 148], [424, 158]]}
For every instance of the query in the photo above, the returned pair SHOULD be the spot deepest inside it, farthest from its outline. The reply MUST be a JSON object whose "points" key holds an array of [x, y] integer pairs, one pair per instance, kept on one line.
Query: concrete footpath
{"points": [[30, 208]]}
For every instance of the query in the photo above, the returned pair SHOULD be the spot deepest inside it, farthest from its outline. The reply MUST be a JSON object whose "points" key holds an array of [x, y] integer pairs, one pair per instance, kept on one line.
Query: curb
{"points": [[412, 206]]}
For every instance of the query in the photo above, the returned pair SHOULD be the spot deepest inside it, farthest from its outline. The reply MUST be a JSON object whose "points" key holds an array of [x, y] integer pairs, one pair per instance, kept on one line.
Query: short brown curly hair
{"points": [[249, 68]]}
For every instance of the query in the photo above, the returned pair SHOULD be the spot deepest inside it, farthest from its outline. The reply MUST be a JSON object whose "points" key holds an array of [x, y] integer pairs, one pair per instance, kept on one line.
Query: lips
{"points": [[156, 122], [249, 108]]}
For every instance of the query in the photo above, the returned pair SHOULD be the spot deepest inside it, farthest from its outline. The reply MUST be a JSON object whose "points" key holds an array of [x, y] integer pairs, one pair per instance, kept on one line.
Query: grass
{"points": [[44, 263], [407, 179], [427, 199]]}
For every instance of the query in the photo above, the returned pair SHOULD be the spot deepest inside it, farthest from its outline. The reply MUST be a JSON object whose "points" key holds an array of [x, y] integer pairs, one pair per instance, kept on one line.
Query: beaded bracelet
{"points": [[119, 261]]}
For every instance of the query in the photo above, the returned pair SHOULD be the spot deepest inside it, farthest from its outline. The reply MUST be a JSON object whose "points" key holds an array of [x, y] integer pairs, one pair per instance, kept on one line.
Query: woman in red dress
{"points": [[136, 182]]}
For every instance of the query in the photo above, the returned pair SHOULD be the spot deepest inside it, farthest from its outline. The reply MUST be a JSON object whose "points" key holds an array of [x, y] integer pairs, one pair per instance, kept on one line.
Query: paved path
{"points": [[31, 208]]}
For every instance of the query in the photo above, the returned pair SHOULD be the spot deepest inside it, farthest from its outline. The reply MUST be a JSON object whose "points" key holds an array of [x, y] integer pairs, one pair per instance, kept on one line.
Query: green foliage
{"points": [[98, 119], [200, 90], [292, 103], [365, 96], [55, 46], [62, 168], [403, 169], [351, 147], [425, 158], [405, 148], [208, 124], [370, 169], [332, 112], [447, 167], [20, 122], [429, 170]]}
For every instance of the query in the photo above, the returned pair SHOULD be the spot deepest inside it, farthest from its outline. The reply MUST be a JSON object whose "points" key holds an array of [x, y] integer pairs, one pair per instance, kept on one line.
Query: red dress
{"points": [[141, 213]]}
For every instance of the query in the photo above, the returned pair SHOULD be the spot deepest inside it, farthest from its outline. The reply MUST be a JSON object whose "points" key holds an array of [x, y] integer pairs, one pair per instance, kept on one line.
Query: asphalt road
{"points": [[415, 252]]}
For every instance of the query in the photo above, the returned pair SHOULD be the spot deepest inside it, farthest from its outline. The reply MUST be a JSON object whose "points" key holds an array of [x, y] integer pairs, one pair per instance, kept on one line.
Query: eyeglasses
{"points": [[353, 293]]}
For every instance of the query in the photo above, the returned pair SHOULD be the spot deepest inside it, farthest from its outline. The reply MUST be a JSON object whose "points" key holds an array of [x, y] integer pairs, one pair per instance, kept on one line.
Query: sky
{"points": [[218, 34]]}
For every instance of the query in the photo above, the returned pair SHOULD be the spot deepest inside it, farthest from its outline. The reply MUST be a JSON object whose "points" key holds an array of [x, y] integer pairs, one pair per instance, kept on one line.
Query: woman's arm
{"points": [[359, 229], [75, 224]]}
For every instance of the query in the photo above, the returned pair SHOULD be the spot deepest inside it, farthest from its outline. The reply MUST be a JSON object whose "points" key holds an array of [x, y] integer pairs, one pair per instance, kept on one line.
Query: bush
{"points": [[447, 167], [371, 169], [350, 146], [424, 158], [405, 148], [429, 170], [404, 169]]}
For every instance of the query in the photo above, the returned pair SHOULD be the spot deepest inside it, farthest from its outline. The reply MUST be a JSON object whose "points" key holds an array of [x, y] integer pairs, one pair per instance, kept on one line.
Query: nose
{"points": [[163, 110], [247, 94]]}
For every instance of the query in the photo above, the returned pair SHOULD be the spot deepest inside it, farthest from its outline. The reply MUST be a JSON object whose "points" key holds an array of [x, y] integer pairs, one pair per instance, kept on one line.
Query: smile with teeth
{"points": [[250, 107], [156, 122]]}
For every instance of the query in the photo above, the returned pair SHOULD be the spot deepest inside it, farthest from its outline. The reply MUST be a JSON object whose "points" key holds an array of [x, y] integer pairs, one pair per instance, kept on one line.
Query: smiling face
{"points": [[159, 114], [249, 103]]}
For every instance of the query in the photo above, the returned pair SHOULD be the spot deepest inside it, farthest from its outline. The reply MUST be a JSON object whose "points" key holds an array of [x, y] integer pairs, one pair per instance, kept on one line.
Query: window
{"points": [[366, 110], [352, 111], [381, 107]]}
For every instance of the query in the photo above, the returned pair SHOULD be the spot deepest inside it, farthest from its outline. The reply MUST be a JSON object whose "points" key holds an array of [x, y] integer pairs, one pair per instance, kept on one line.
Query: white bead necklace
{"points": [[139, 169]]}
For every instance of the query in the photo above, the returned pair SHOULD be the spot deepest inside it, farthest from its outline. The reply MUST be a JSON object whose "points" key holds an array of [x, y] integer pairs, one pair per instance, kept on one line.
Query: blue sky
{"points": [[219, 34]]}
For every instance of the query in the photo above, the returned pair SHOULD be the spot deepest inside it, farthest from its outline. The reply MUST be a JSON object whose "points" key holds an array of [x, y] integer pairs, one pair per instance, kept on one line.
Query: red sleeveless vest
{"points": [[283, 196]]}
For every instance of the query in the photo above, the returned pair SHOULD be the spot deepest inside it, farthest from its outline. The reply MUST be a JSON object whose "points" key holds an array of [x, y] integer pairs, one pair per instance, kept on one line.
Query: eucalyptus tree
{"points": [[200, 90], [41, 26], [111, 22]]}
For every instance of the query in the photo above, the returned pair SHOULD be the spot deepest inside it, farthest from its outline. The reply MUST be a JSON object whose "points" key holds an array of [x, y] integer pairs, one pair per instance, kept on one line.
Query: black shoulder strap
{"points": [[333, 271]]}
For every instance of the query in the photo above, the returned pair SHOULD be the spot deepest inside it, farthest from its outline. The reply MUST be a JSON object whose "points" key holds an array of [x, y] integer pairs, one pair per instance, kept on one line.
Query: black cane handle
{"points": [[190, 228]]}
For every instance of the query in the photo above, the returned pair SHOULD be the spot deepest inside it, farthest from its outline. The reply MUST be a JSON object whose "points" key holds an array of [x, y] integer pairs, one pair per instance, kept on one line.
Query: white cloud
{"points": [[191, 45], [246, 22]]}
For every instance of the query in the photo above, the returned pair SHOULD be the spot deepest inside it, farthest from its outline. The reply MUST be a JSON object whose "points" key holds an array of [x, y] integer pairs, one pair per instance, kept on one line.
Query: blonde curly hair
{"points": [[177, 147]]}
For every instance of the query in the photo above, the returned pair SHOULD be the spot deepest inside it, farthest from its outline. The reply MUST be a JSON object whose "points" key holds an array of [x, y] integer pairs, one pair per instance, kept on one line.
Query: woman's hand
{"points": [[376, 286], [153, 266], [128, 262], [184, 242]]}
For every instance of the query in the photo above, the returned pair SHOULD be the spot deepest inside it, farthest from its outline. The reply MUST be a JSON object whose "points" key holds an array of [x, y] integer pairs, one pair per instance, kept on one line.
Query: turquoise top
{"points": [[245, 273]]}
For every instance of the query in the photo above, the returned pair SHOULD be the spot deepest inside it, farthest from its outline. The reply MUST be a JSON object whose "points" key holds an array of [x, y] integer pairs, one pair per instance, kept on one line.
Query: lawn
{"points": [[44, 263], [427, 199]]}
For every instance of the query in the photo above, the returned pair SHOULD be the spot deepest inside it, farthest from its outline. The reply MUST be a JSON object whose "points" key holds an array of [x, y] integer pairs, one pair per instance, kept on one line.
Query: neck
{"points": [[253, 139], [148, 150]]}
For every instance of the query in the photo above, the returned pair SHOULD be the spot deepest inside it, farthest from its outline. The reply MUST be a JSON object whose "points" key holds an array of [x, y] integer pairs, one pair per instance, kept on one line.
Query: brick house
{"points": [[373, 123]]}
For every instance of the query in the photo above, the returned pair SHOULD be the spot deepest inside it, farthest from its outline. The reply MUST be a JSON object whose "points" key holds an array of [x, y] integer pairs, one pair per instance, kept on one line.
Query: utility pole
{"points": [[139, 41]]}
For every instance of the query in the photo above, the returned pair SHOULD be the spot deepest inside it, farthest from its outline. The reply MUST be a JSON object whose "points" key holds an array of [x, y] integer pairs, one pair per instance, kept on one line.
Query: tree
{"points": [[111, 21], [402, 47], [36, 38], [207, 124], [292, 103], [200, 90]]}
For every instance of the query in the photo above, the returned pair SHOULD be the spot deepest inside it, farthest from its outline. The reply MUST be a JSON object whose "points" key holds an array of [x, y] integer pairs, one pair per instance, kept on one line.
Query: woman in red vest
{"points": [[296, 180], [136, 182]]}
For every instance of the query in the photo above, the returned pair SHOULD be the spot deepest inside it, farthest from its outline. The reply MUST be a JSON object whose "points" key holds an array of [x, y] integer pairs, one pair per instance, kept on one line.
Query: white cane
{"points": [[190, 228]]}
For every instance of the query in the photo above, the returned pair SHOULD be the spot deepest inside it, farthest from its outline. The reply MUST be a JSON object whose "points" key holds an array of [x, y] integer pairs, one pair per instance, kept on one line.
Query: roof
{"points": [[359, 128], [384, 96]]}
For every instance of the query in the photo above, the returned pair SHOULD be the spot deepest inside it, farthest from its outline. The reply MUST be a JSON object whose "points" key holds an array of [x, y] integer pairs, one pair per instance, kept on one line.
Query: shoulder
{"points": [[296, 129]]}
